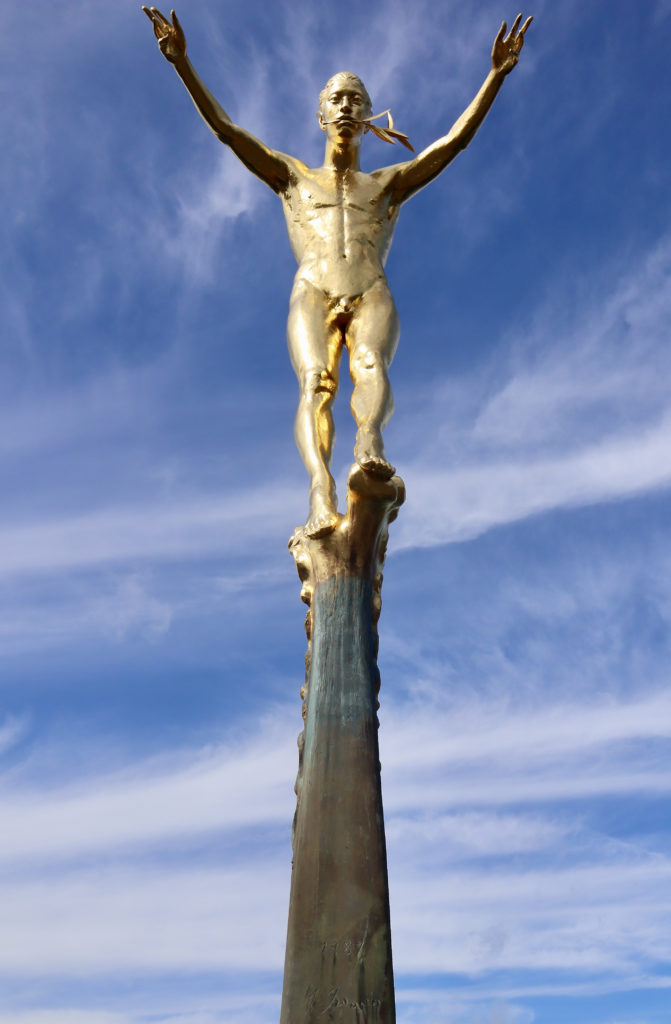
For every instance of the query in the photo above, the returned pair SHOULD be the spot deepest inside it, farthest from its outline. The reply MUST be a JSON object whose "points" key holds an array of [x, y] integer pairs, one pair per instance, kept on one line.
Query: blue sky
{"points": [[151, 637]]}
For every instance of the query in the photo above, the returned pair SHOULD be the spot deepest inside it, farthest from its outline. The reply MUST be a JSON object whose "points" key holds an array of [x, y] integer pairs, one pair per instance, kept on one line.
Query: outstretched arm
{"points": [[415, 174], [268, 165]]}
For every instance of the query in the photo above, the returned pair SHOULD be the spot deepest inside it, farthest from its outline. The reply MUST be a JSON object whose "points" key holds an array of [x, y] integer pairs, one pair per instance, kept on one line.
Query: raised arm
{"points": [[268, 165], [415, 174]]}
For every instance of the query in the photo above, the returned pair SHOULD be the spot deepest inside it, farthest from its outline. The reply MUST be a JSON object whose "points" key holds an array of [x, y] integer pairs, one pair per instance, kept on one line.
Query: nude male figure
{"points": [[340, 222]]}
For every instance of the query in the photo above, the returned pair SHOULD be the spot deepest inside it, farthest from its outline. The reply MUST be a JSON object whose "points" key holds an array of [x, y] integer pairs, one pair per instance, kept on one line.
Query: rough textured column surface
{"points": [[338, 965]]}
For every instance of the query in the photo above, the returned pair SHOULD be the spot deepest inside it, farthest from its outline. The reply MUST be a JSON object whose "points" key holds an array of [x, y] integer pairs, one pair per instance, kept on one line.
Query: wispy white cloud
{"points": [[113, 401], [133, 919], [605, 915], [212, 188], [465, 502], [120, 603], [166, 530], [238, 1006], [474, 1004], [246, 783], [594, 369], [434, 758], [466, 921], [66, 1016], [555, 893], [582, 417], [557, 920], [662, 10], [428, 837], [431, 1007], [12, 729], [479, 730], [385, 44]]}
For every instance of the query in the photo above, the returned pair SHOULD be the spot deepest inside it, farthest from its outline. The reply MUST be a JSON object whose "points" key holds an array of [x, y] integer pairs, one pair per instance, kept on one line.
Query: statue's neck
{"points": [[342, 155]]}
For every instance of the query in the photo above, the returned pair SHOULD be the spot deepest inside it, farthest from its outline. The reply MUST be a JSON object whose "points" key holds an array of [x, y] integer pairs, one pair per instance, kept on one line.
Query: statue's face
{"points": [[345, 102]]}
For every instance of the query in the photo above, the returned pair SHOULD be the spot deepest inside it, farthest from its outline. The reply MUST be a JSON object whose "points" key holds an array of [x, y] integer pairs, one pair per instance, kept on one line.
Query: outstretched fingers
{"points": [[152, 17], [177, 27], [515, 38], [507, 48], [501, 33], [526, 24], [158, 22], [159, 16], [514, 27], [513, 35]]}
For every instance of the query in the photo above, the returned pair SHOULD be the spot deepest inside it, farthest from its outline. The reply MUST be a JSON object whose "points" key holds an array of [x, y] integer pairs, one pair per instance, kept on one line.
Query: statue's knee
{"points": [[317, 382], [366, 361]]}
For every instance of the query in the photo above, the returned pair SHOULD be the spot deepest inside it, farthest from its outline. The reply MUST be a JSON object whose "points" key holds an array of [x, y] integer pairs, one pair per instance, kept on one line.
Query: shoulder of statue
{"points": [[387, 175], [389, 178], [297, 169]]}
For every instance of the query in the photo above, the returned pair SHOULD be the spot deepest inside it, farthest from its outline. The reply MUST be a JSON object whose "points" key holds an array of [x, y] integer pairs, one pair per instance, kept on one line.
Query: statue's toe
{"points": [[321, 524], [378, 466]]}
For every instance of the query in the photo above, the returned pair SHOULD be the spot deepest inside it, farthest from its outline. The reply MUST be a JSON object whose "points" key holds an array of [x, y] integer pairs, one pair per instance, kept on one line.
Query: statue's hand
{"points": [[171, 38], [506, 51]]}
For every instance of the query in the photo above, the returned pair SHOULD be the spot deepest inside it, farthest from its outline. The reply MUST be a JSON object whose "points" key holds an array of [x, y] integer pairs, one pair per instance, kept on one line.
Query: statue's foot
{"points": [[321, 524], [368, 452], [323, 516]]}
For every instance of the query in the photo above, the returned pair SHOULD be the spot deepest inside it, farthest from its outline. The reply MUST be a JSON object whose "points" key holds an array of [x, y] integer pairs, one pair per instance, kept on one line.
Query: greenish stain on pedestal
{"points": [[338, 958], [338, 964]]}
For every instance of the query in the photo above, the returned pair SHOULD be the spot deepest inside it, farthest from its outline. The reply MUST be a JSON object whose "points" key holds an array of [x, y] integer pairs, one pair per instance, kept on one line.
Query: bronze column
{"points": [[338, 965]]}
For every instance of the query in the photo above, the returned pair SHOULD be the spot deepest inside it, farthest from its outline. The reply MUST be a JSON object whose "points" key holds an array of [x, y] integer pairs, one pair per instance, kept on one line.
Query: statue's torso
{"points": [[340, 226]]}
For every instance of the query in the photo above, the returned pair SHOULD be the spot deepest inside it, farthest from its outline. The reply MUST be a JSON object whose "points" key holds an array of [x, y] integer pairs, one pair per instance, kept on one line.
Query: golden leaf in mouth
{"points": [[388, 134]]}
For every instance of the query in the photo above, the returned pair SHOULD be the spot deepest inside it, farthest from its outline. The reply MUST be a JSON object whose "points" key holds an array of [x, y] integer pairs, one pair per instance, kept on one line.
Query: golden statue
{"points": [[340, 222]]}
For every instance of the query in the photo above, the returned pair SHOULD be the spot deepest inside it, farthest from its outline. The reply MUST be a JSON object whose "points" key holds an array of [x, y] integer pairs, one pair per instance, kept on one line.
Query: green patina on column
{"points": [[338, 965]]}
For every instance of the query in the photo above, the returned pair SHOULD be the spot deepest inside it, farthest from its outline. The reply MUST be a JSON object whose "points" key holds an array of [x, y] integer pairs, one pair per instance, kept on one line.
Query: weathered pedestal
{"points": [[338, 965]]}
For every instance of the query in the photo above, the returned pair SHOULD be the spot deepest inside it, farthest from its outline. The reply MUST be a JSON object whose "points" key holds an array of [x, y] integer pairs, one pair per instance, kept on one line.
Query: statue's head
{"points": [[344, 94]]}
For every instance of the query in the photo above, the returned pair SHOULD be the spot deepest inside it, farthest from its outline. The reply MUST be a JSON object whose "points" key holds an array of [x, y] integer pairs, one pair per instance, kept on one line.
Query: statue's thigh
{"points": [[374, 329], [314, 344]]}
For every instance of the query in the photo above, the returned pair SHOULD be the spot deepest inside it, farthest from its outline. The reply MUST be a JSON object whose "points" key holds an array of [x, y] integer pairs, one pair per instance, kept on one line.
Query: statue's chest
{"points": [[350, 197]]}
